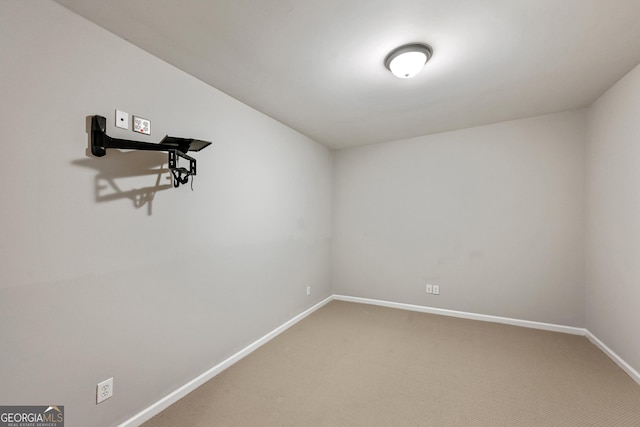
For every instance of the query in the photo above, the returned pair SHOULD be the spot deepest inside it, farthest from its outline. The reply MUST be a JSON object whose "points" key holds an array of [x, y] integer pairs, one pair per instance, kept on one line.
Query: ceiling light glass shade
{"points": [[407, 61]]}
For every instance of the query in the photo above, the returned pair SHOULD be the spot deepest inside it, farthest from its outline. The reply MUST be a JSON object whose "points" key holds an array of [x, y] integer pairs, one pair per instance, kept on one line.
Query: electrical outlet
{"points": [[104, 390], [308, 290], [429, 289], [436, 289], [141, 125], [122, 119]]}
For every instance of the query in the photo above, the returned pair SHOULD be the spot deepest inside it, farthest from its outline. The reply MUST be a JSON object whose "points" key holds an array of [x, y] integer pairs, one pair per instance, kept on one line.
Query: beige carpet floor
{"points": [[352, 364]]}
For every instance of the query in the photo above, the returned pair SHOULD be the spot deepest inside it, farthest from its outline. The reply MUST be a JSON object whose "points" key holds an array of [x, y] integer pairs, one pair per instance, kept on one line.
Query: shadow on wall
{"points": [[119, 175], [122, 166]]}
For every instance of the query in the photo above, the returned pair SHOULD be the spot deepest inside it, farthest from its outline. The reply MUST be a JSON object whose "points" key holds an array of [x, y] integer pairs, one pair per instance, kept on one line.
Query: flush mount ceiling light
{"points": [[407, 61]]}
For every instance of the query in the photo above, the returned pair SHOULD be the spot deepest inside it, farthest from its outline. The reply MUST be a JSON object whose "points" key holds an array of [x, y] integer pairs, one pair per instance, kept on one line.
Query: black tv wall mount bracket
{"points": [[176, 147]]}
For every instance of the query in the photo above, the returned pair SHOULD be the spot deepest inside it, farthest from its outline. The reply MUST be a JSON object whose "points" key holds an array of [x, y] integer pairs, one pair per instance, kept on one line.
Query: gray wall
{"points": [[106, 271], [613, 218], [493, 214], [96, 283]]}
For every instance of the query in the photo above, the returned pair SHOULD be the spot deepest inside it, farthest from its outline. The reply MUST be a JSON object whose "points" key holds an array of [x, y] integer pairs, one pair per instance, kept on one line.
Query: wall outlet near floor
{"points": [[436, 289], [429, 289], [104, 390], [308, 290]]}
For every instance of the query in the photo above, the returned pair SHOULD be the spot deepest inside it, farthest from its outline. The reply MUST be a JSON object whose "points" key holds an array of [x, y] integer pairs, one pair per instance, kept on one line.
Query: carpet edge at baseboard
{"points": [[465, 315], [635, 375], [157, 407], [173, 397]]}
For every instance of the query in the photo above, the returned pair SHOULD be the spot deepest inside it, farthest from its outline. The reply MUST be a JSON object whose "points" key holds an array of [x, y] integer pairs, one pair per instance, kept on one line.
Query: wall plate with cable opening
{"points": [[122, 119]]}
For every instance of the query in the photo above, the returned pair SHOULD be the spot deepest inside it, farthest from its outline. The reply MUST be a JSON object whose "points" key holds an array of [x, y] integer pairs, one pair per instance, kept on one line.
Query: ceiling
{"points": [[317, 65]]}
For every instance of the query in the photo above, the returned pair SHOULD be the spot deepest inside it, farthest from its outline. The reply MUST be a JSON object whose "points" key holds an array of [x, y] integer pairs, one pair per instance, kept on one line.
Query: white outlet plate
{"points": [[104, 390], [122, 119], [436, 289], [429, 289], [308, 290], [141, 125]]}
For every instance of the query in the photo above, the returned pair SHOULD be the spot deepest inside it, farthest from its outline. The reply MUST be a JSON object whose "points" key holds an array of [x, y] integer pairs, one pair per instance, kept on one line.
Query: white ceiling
{"points": [[317, 65]]}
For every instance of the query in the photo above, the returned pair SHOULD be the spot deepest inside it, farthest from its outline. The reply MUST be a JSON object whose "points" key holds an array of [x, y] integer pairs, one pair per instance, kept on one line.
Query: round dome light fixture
{"points": [[406, 61]]}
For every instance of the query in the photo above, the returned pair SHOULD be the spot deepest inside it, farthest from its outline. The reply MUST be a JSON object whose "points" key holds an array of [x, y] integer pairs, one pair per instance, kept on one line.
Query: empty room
{"points": [[407, 213]]}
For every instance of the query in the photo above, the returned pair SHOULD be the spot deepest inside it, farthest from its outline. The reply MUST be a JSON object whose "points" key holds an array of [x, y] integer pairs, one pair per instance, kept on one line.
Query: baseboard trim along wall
{"points": [[173, 397], [613, 356], [506, 320], [465, 315]]}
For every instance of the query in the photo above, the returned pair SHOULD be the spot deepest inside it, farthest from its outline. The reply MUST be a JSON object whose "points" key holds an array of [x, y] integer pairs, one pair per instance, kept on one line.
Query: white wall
{"points": [[96, 283], [613, 219], [493, 214]]}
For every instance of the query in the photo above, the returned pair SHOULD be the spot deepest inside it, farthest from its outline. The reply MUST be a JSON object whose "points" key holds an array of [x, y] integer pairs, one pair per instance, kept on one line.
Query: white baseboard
{"points": [[635, 375], [465, 315], [173, 397], [506, 320]]}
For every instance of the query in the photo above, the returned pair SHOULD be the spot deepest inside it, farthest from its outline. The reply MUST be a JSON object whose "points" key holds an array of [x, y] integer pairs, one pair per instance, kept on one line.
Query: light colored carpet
{"points": [[352, 364]]}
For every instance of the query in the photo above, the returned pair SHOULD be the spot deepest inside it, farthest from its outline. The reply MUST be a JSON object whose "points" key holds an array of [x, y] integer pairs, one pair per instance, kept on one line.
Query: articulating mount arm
{"points": [[176, 147]]}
